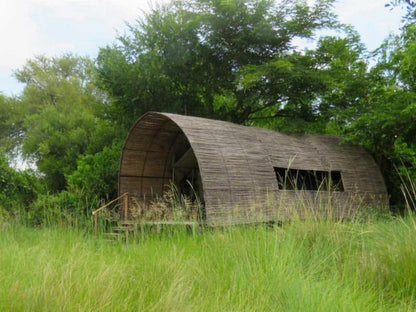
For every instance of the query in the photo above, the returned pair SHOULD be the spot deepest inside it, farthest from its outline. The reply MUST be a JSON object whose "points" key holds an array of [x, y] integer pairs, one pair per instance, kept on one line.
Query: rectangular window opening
{"points": [[309, 180]]}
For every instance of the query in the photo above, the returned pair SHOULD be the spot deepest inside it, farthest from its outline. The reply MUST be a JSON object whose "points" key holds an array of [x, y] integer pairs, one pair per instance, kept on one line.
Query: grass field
{"points": [[300, 266]]}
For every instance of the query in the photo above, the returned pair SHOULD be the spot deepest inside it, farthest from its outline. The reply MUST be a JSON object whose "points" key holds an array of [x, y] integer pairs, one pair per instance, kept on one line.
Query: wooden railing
{"points": [[124, 198]]}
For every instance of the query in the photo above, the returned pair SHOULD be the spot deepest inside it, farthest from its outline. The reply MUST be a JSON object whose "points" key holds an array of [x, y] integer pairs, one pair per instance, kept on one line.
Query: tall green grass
{"points": [[314, 265]]}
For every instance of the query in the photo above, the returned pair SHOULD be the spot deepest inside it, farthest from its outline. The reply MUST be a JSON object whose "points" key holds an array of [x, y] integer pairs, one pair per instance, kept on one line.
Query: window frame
{"points": [[309, 180]]}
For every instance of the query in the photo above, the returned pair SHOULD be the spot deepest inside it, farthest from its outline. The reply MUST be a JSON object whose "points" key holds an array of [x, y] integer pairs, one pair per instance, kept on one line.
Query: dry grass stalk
{"points": [[170, 206]]}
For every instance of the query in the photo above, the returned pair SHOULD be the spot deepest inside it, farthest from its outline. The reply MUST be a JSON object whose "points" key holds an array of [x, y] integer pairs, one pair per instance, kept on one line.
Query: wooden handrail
{"points": [[109, 203], [126, 207]]}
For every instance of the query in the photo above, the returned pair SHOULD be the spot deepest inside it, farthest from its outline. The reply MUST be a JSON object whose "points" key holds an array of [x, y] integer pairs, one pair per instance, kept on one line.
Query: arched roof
{"points": [[236, 164]]}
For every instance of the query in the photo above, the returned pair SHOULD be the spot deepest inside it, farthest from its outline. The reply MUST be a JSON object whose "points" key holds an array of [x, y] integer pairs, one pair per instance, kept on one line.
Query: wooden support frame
{"points": [[236, 166]]}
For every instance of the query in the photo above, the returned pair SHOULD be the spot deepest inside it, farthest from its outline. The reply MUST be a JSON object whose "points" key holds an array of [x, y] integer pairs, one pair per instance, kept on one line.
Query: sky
{"points": [[53, 27]]}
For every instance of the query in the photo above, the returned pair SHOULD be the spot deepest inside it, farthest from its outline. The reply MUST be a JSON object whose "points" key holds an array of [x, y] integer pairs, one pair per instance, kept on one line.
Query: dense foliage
{"points": [[254, 62], [17, 189], [192, 57]]}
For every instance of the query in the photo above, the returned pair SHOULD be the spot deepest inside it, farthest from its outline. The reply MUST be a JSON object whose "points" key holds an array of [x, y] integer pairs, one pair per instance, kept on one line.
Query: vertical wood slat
{"points": [[96, 224], [126, 207]]}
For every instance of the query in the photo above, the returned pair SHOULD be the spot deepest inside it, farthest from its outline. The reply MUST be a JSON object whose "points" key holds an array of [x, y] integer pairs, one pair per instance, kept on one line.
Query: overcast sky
{"points": [[52, 27]]}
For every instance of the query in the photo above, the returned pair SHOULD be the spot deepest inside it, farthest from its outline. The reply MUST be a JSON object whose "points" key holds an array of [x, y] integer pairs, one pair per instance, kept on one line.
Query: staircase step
{"points": [[113, 241], [113, 234], [114, 237], [122, 228]]}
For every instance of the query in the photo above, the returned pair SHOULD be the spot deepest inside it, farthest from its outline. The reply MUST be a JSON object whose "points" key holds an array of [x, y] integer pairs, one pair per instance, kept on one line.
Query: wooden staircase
{"points": [[121, 227], [115, 214], [121, 232]]}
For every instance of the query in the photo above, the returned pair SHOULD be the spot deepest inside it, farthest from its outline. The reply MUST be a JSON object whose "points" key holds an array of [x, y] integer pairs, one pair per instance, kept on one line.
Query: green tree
{"points": [[188, 56], [308, 91], [384, 120], [10, 124], [60, 109], [18, 189], [96, 175]]}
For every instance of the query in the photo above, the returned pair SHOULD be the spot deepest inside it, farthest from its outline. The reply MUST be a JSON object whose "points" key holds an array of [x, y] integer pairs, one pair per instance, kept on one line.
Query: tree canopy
{"points": [[191, 57]]}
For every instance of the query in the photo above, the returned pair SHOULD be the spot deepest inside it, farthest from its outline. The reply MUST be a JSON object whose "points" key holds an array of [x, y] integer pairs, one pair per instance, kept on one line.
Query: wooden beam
{"points": [[142, 176], [185, 159]]}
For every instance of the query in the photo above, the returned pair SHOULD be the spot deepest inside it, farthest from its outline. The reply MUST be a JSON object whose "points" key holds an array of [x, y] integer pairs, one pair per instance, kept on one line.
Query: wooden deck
{"points": [[127, 229], [117, 212]]}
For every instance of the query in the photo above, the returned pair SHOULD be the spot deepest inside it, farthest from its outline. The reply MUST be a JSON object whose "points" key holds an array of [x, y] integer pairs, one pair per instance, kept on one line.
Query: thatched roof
{"points": [[237, 165]]}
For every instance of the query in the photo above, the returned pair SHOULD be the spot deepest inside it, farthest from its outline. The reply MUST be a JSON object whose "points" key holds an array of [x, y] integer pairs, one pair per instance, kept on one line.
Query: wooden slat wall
{"points": [[236, 165], [145, 166]]}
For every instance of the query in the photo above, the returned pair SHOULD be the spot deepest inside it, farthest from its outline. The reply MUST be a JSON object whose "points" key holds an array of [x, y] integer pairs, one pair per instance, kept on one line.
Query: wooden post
{"points": [[95, 224], [135, 225], [142, 229], [126, 206]]}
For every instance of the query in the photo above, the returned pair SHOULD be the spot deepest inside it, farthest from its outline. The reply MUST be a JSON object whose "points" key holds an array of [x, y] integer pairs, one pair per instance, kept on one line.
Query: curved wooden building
{"points": [[245, 174]]}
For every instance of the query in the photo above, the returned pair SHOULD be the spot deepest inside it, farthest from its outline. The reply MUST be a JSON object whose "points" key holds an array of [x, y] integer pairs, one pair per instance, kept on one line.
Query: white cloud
{"points": [[51, 27], [18, 32], [370, 18], [29, 27]]}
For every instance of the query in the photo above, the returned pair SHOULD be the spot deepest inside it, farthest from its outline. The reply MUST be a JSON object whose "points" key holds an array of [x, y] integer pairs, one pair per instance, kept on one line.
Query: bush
{"points": [[97, 174], [18, 189], [67, 208]]}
